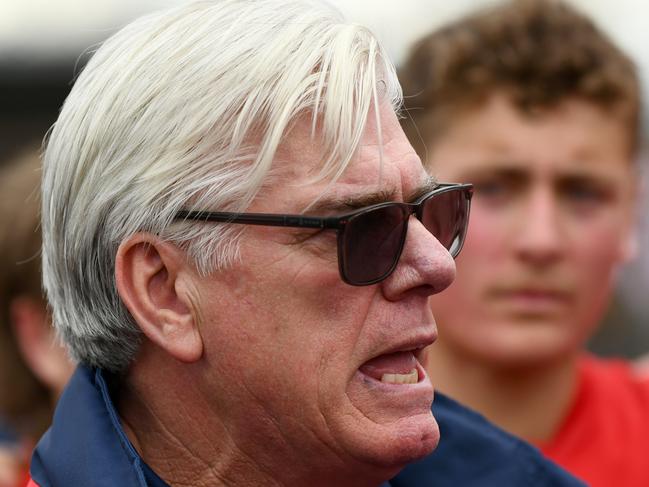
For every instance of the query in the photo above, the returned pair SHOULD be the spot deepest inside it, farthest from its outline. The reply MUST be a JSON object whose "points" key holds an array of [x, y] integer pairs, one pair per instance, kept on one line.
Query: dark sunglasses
{"points": [[370, 240]]}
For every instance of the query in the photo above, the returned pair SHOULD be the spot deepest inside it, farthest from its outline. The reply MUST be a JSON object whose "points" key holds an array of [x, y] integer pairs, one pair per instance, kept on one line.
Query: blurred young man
{"points": [[538, 109]]}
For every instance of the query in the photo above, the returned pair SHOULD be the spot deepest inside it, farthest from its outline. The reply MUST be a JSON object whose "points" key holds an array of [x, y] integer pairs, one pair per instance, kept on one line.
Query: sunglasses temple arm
{"points": [[297, 221]]}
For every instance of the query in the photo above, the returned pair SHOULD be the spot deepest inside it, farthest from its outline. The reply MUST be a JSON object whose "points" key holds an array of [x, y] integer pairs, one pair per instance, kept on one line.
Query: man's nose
{"points": [[425, 266], [539, 235]]}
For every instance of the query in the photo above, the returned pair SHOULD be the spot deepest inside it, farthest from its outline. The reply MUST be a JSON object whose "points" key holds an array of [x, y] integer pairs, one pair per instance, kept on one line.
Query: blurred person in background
{"points": [[537, 108], [33, 366]]}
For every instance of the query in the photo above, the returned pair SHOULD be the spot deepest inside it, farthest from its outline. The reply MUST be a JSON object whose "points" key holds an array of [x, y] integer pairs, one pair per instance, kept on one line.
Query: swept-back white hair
{"points": [[185, 109]]}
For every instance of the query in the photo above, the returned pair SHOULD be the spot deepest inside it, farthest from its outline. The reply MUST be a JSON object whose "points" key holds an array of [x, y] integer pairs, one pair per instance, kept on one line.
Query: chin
{"points": [[528, 350], [398, 444], [416, 445], [387, 425]]}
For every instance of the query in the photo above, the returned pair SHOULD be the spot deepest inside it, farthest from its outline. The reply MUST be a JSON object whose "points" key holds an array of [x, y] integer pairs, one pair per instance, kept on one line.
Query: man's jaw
{"points": [[392, 395]]}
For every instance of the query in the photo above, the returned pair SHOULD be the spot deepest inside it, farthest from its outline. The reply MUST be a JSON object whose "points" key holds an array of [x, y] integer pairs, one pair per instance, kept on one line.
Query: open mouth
{"points": [[401, 368]]}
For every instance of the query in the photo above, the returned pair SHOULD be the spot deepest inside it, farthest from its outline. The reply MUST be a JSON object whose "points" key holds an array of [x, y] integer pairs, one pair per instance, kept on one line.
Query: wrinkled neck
{"points": [[181, 435]]}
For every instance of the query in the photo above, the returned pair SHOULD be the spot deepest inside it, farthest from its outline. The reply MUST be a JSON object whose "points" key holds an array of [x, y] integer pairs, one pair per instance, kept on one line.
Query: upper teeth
{"points": [[410, 378]]}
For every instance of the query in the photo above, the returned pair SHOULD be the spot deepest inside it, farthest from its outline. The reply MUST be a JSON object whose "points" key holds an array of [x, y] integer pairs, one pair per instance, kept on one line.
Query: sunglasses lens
{"points": [[446, 216], [372, 242]]}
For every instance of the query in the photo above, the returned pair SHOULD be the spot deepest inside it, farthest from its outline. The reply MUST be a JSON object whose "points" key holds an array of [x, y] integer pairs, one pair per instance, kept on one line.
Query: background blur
{"points": [[43, 44]]}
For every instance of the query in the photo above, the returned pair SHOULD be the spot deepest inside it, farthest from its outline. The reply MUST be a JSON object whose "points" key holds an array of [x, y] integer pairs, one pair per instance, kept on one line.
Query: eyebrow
{"points": [[355, 202], [516, 174], [524, 175]]}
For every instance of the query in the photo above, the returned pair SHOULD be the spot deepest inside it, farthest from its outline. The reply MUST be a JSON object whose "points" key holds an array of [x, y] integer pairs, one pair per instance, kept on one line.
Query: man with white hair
{"points": [[239, 244]]}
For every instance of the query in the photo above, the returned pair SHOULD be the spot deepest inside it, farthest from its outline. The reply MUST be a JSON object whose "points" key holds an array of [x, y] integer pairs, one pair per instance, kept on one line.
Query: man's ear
{"points": [[152, 279]]}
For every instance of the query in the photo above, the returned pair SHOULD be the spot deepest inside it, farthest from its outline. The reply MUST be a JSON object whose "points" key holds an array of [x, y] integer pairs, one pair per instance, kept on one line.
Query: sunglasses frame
{"points": [[337, 223]]}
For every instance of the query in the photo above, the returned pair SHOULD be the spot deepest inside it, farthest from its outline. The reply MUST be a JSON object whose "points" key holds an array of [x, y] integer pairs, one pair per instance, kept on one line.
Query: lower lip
{"points": [[397, 401], [534, 301]]}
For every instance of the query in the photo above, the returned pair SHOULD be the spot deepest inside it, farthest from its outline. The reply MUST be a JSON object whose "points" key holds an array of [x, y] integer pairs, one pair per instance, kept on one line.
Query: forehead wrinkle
{"points": [[354, 201], [399, 170]]}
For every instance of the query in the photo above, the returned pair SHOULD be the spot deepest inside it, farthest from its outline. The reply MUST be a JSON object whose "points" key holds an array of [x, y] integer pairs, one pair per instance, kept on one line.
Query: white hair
{"points": [[185, 109]]}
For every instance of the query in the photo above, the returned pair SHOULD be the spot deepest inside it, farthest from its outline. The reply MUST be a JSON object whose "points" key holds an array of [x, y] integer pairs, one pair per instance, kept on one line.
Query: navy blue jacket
{"points": [[474, 453], [87, 447]]}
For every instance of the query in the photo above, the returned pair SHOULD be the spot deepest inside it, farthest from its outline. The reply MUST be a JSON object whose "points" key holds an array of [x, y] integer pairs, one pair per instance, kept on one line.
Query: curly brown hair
{"points": [[538, 52]]}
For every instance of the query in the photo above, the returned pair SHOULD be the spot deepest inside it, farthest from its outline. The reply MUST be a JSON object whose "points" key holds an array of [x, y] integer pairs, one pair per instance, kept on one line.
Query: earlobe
{"points": [[150, 276]]}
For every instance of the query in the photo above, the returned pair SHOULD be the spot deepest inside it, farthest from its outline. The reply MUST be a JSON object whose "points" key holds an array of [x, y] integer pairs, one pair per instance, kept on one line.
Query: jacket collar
{"points": [[86, 444]]}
